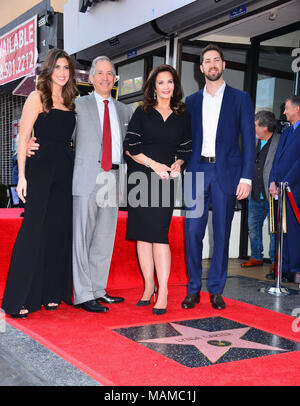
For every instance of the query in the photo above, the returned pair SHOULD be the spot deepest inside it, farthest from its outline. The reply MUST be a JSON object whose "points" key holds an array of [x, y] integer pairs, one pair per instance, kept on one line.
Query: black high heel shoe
{"points": [[158, 312], [141, 303], [51, 307], [20, 315]]}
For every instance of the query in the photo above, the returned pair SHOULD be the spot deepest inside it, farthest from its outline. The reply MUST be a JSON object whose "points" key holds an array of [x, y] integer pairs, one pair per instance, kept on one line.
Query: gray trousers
{"points": [[94, 229]]}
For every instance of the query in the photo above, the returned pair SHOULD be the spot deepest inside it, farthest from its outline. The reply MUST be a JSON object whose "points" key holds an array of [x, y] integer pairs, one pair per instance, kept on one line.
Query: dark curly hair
{"points": [[149, 90], [44, 84]]}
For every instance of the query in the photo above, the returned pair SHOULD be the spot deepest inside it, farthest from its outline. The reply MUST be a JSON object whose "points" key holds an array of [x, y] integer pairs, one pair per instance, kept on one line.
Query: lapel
{"points": [[120, 117], [199, 109], [225, 110], [290, 142], [196, 111], [94, 114], [121, 125], [272, 150]]}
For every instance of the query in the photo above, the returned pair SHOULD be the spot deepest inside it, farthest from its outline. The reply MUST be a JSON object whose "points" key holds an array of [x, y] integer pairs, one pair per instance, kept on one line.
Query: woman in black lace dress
{"points": [[157, 143], [41, 264]]}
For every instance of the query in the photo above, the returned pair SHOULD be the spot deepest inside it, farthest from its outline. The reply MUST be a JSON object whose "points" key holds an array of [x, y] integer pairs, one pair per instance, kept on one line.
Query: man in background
{"points": [[258, 209], [286, 168]]}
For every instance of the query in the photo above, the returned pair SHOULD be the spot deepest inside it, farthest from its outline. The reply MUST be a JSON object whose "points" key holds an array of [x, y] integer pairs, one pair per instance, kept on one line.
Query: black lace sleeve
{"points": [[133, 140], [184, 149]]}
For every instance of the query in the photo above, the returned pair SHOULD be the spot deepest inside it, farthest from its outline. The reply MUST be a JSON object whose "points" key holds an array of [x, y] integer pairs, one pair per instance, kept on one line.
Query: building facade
{"points": [[260, 39], [22, 46]]}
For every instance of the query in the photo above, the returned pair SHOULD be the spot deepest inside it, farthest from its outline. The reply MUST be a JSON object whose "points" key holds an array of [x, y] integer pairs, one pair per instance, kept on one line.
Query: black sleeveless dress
{"points": [[41, 264]]}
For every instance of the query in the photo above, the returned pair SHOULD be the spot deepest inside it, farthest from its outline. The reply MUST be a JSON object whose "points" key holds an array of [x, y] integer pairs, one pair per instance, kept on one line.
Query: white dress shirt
{"points": [[210, 117], [114, 126], [211, 108]]}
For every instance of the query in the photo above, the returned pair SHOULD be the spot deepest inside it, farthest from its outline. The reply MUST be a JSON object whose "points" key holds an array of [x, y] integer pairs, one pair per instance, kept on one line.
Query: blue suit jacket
{"points": [[236, 118], [286, 168], [286, 164]]}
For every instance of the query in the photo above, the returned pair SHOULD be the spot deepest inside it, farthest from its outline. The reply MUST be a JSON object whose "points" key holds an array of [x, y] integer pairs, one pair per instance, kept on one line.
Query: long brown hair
{"points": [[149, 90], [44, 84]]}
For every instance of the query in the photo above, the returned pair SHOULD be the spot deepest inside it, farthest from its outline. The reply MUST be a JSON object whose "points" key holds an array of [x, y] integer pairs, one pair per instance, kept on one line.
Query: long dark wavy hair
{"points": [[149, 90], [44, 84]]}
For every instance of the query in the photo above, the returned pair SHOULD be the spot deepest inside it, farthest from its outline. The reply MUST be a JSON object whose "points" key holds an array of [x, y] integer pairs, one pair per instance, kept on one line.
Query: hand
{"points": [[22, 188], [175, 168], [242, 191], [273, 189], [161, 170], [31, 147]]}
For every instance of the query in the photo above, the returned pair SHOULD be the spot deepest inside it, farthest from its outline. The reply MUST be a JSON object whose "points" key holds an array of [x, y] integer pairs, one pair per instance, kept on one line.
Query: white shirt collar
{"points": [[219, 92], [101, 98]]}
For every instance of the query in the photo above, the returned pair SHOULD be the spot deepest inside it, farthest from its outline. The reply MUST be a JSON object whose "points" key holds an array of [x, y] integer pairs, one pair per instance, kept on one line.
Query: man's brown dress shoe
{"points": [[190, 301], [217, 301], [252, 262]]}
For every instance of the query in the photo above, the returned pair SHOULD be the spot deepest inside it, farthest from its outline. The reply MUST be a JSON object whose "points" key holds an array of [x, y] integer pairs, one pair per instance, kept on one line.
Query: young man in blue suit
{"points": [[286, 168], [219, 115]]}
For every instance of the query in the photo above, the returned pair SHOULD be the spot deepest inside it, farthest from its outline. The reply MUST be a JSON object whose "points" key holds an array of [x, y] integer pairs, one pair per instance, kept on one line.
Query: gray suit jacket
{"points": [[269, 160], [88, 142]]}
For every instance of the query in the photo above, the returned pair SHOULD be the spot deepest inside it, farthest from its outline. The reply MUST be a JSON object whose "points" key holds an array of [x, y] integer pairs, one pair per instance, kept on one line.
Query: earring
{"points": [[154, 96]]}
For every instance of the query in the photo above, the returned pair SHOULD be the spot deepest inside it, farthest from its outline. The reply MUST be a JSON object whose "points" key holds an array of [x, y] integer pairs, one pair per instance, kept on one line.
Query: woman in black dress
{"points": [[40, 270], [157, 143]]}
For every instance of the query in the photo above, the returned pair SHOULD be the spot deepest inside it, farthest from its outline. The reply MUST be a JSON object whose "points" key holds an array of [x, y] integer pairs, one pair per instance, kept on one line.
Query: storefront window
{"points": [[191, 77], [131, 77], [134, 105], [234, 78], [276, 81], [271, 93], [158, 60]]}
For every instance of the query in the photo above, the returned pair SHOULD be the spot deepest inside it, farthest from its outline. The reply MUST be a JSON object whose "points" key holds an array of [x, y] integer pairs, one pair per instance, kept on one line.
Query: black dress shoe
{"points": [[190, 301], [217, 301], [270, 276], [109, 299], [92, 306], [285, 277]]}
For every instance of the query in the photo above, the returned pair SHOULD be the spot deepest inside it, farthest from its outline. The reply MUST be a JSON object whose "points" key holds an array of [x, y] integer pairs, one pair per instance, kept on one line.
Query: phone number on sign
{"points": [[23, 63]]}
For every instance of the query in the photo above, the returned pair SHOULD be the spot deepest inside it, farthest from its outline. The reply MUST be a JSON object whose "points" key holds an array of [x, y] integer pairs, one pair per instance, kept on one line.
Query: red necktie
{"points": [[106, 161]]}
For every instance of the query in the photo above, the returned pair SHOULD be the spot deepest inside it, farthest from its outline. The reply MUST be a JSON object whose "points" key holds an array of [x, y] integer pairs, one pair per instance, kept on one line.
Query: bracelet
{"points": [[145, 162]]}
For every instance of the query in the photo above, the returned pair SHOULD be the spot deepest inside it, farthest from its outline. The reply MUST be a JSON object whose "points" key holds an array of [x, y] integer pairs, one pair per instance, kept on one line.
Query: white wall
{"points": [[110, 18]]}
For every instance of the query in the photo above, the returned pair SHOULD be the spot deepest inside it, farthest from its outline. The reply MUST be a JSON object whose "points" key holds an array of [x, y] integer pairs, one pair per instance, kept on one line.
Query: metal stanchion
{"points": [[278, 290]]}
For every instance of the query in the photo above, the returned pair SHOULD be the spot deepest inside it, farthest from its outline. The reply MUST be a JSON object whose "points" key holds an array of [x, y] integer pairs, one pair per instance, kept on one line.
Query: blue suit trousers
{"points": [[222, 214]]}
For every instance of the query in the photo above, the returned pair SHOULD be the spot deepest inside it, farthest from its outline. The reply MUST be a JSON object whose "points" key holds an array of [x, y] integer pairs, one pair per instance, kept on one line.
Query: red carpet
{"points": [[88, 341], [124, 271]]}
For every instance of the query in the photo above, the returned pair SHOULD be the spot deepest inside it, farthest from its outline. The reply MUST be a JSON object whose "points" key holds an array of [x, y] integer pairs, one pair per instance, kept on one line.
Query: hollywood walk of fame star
{"points": [[212, 344]]}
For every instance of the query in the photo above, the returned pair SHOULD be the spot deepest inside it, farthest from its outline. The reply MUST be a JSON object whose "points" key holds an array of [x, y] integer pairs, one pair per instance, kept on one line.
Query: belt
{"points": [[211, 159]]}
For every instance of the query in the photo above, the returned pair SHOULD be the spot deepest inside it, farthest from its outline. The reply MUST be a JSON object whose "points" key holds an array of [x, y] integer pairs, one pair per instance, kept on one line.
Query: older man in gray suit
{"points": [[94, 223], [101, 127], [266, 145]]}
